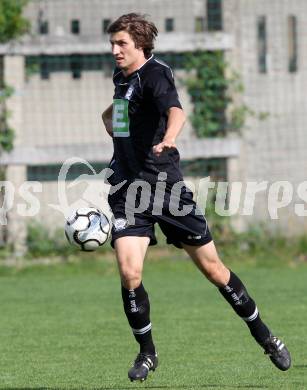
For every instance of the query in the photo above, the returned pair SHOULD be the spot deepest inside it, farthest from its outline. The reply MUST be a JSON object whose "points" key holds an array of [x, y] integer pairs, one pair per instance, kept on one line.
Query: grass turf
{"points": [[63, 327]]}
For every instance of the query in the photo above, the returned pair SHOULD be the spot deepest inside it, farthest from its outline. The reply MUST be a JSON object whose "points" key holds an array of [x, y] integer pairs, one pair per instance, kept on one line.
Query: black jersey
{"points": [[140, 106]]}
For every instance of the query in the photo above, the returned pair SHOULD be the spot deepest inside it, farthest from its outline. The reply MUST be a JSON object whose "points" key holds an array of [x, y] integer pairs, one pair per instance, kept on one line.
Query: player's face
{"points": [[127, 56]]}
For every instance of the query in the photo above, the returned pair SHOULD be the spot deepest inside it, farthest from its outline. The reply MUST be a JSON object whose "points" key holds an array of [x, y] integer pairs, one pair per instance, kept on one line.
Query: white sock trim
{"points": [[143, 330], [252, 317]]}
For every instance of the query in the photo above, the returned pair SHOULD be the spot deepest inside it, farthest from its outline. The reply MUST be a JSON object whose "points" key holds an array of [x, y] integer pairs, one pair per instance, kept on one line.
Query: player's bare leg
{"points": [[233, 290], [130, 254], [207, 260]]}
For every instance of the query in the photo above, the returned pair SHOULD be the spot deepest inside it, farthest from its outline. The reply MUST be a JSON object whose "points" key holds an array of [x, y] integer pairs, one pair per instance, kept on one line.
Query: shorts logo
{"points": [[194, 237], [120, 224]]}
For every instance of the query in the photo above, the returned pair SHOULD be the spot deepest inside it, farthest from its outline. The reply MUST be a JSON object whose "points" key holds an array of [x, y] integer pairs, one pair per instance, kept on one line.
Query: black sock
{"points": [[137, 309], [235, 293]]}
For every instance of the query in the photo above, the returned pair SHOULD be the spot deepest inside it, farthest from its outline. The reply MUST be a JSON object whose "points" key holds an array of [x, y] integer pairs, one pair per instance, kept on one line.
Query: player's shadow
{"points": [[300, 366]]}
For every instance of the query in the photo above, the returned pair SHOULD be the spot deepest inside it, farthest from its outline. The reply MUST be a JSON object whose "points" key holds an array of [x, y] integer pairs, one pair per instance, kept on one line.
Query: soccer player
{"points": [[144, 120]]}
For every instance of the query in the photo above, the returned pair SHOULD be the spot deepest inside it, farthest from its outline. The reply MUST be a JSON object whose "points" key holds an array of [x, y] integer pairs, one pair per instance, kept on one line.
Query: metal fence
{"points": [[61, 75]]}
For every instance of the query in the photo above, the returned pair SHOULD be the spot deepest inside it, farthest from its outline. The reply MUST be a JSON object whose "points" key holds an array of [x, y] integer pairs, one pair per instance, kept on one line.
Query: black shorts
{"points": [[190, 229]]}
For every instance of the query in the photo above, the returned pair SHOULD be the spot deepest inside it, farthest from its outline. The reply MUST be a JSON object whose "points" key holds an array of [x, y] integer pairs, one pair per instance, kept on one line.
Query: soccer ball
{"points": [[88, 228]]}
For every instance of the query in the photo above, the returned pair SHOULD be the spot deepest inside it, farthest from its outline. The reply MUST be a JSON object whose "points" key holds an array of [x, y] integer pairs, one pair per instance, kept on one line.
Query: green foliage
{"points": [[258, 245], [7, 139], [6, 133], [238, 117], [213, 87], [41, 242], [12, 23], [207, 87], [31, 69], [5, 93]]}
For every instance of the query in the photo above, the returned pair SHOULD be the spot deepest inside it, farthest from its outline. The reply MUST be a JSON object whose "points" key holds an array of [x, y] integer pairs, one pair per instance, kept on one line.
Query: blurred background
{"points": [[240, 69]]}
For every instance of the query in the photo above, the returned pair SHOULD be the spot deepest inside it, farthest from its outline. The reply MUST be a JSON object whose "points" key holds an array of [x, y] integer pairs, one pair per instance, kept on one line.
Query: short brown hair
{"points": [[141, 30]]}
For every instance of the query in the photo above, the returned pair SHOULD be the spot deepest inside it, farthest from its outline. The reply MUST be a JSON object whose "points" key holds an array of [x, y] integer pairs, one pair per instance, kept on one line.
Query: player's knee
{"points": [[130, 277], [217, 273], [212, 274]]}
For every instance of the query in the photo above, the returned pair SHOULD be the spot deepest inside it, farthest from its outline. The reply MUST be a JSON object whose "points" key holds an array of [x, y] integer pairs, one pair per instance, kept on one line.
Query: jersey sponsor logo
{"points": [[120, 119]]}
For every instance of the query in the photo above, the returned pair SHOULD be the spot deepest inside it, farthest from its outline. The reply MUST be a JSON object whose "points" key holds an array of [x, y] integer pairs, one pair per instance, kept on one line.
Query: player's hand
{"points": [[164, 145]]}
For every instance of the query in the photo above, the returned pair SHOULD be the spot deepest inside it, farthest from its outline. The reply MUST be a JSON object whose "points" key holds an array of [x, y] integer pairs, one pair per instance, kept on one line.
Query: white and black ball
{"points": [[87, 228]]}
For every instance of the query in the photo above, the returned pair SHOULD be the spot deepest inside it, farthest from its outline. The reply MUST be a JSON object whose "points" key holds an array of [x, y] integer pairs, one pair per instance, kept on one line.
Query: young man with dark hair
{"points": [[144, 120]]}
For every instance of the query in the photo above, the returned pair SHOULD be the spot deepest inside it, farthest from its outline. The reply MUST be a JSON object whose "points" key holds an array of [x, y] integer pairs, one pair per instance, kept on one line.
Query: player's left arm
{"points": [[106, 117], [175, 122]]}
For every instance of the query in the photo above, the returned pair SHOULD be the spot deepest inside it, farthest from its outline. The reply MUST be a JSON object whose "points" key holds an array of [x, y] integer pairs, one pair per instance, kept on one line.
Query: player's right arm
{"points": [[107, 120]]}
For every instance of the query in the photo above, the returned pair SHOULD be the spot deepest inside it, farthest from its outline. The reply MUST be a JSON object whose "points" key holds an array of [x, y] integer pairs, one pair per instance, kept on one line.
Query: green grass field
{"points": [[62, 327]]}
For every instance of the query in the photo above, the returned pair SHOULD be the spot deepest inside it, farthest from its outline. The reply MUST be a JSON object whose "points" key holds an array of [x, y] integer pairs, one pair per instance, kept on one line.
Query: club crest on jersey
{"points": [[129, 92]]}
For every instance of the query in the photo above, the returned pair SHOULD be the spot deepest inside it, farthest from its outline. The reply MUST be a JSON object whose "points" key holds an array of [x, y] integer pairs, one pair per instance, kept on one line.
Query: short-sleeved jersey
{"points": [[140, 113]]}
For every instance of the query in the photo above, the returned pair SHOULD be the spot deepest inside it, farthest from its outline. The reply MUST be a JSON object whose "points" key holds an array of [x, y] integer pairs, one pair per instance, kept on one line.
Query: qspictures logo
{"points": [[96, 187], [236, 198]]}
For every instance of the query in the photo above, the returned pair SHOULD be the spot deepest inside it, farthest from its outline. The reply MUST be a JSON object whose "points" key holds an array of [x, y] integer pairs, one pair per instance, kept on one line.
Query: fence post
{"points": [[14, 76]]}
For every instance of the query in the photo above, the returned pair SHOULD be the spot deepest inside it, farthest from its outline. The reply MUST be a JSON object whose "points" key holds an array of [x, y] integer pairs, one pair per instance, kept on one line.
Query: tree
{"points": [[12, 23], [12, 26]]}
